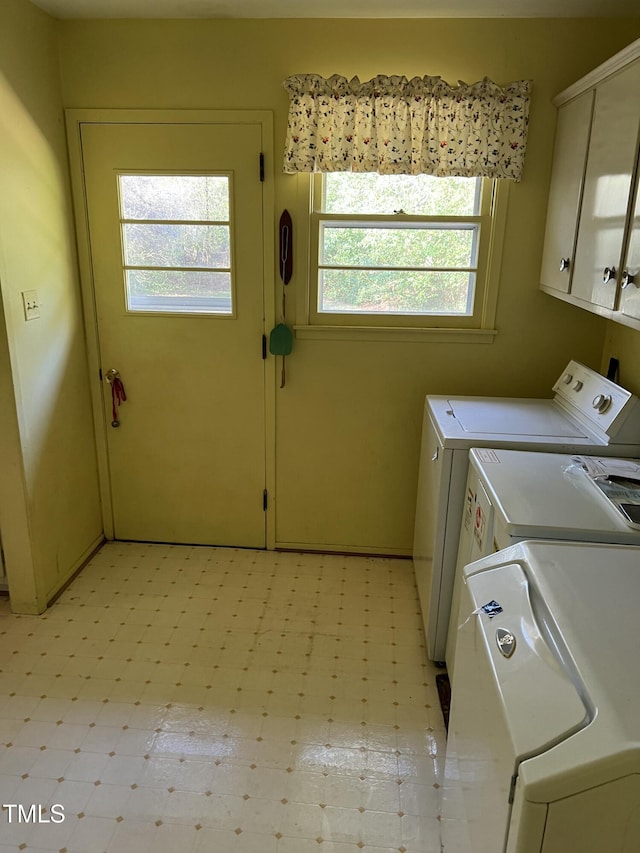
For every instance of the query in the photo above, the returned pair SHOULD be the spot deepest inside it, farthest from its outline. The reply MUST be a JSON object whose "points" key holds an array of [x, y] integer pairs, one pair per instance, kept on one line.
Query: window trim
{"points": [[200, 307], [478, 327]]}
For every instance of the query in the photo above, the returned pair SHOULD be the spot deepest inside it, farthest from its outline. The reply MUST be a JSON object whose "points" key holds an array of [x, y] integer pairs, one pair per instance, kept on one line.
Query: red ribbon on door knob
{"points": [[118, 395]]}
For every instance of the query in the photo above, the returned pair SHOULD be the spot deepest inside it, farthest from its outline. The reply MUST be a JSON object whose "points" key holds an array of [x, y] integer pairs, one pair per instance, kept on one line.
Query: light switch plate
{"points": [[31, 304]]}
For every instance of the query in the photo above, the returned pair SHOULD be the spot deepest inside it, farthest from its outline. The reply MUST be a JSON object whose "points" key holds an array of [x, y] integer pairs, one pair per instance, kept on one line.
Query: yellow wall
{"points": [[623, 343], [349, 419], [49, 505]]}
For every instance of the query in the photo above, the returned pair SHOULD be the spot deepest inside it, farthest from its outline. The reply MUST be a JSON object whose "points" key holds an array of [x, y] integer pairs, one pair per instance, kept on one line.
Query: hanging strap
{"points": [[118, 396]]}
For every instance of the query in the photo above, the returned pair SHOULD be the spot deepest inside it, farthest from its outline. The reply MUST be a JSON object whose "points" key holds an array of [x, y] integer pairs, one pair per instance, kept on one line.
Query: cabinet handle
{"points": [[608, 274], [565, 263], [627, 279], [435, 456]]}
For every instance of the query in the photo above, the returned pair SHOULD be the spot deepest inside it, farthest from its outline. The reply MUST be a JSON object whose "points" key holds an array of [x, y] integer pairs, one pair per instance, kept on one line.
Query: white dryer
{"points": [[543, 751], [513, 495], [587, 414]]}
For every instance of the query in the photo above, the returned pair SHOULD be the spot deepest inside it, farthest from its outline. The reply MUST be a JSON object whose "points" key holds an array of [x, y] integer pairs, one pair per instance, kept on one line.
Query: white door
{"points": [[175, 232]]}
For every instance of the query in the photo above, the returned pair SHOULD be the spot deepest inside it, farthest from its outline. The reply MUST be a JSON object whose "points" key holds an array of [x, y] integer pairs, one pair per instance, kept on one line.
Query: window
{"points": [[176, 243], [400, 250]]}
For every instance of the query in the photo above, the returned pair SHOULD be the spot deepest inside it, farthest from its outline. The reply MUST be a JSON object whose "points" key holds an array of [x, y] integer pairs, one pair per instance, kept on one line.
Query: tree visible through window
{"points": [[176, 239], [397, 244]]}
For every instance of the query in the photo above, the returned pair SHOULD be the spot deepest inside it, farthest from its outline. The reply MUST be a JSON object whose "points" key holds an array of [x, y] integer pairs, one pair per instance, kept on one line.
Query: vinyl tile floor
{"points": [[182, 700]]}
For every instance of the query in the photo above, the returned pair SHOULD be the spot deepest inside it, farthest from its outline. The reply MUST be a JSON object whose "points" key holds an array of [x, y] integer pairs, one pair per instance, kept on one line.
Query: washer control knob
{"points": [[601, 402], [567, 378], [577, 385]]}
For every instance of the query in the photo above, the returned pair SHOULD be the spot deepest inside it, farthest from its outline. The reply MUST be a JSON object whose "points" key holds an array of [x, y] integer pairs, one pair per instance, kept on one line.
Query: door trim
{"points": [[75, 119]]}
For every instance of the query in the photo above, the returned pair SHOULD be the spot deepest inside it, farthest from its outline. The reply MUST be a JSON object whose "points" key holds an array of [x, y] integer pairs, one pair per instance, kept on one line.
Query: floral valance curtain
{"points": [[393, 125]]}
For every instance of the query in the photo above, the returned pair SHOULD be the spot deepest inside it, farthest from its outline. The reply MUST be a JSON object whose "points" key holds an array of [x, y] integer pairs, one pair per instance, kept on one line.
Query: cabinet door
{"points": [[610, 166], [630, 299], [569, 159]]}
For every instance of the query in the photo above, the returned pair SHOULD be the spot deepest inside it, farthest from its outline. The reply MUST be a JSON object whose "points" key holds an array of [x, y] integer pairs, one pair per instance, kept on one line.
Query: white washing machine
{"points": [[587, 414], [543, 750], [513, 495]]}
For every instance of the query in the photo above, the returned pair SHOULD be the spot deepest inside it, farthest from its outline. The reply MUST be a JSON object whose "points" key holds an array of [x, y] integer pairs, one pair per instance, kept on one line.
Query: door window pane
{"points": [[176, 243], [181, 197], [177, 292]]}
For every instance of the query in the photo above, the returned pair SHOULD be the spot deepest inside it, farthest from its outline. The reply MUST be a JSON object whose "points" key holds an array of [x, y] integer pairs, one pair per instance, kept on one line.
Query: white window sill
{"points": [[401, 334]]}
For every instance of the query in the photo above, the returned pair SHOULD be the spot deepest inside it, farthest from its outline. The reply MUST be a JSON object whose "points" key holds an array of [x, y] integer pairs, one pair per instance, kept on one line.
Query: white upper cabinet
{"points": [[611, 164], [591, 199], [569, 161], [630, 275]]}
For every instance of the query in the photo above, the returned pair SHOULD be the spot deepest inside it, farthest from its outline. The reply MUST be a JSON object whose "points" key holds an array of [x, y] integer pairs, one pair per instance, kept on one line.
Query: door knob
{"points": [[608, 274], [565, 263], [627, 279]]}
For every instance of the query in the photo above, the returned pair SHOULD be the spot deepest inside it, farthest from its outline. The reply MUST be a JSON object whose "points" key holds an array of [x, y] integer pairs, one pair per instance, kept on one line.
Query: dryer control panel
{"points": [[599, 402]]}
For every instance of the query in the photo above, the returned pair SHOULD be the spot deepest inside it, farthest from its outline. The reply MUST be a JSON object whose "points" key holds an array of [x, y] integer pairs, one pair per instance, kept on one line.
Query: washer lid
{"points": [[513, 416], [548, 496]]}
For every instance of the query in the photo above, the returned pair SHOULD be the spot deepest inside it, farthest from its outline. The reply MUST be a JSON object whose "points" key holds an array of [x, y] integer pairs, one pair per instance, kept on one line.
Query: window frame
{"points": [[491, 220], [200, 306]]}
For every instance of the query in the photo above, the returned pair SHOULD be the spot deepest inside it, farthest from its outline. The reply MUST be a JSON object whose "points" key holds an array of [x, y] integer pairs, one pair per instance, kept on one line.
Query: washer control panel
{"points": [[602, 402]]}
